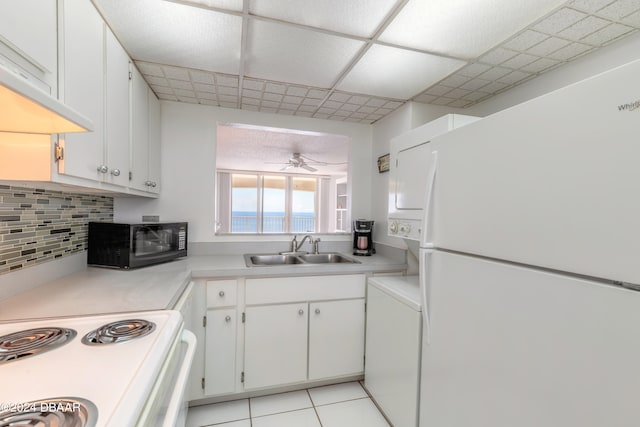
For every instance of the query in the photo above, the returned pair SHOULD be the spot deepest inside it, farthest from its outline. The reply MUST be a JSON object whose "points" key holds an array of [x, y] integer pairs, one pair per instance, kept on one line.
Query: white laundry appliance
{"points": [[528, 262]]}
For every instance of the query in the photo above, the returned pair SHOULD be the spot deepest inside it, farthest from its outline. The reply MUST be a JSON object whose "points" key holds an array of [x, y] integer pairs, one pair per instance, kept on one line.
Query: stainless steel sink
{"points": [[272, 259], [329, 258], [262, 260]]}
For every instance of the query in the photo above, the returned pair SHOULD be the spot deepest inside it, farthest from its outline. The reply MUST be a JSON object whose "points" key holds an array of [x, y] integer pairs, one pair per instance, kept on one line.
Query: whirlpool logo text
{"points": [[629, 107]]}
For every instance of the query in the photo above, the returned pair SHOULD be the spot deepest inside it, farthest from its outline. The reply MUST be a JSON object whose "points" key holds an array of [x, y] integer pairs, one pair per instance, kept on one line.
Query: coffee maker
{"points": [[363, 237]]}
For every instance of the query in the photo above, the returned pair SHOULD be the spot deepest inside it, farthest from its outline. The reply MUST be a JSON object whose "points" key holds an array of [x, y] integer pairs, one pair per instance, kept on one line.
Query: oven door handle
{"points": [[175, 404]]}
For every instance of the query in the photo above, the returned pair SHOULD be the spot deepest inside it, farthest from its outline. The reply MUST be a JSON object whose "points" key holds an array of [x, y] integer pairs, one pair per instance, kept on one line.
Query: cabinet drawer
{"points": [[307, 288], [221, 293]]}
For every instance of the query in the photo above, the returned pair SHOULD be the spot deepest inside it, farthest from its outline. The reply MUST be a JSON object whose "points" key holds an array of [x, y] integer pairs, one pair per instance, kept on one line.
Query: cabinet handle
{"points": [[301, 312], [115, 172], [227, 319], [221, 293], [317, 311], [103, 169]]}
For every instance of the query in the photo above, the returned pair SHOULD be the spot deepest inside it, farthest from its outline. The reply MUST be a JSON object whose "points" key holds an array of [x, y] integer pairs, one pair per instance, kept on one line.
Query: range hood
{"points": [[26, 109]]}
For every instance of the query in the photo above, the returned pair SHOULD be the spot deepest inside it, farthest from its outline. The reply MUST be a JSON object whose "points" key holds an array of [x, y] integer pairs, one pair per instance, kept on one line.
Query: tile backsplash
{"points": [[42, 225]]}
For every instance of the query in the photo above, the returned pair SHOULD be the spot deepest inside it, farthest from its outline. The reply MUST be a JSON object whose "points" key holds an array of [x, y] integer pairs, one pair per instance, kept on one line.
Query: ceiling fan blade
{"points": [[286, 167], [309, 168]]}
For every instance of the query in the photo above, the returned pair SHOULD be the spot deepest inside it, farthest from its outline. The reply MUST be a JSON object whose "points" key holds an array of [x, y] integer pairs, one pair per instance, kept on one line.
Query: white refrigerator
{"points": [[531, 243]]}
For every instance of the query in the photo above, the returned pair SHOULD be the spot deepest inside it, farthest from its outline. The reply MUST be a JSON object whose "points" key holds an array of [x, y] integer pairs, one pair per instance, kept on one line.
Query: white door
{"points": [[220, 353], [336, 338], [511, 346], [275, 349]]}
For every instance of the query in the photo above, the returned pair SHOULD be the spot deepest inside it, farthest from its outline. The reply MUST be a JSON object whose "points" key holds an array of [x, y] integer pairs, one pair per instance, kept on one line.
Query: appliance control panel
{"points": [[404, 228]]}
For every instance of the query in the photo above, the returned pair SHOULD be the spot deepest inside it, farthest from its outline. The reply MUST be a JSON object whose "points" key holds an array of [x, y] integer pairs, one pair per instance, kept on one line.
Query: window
{"points": [[263, 203]]}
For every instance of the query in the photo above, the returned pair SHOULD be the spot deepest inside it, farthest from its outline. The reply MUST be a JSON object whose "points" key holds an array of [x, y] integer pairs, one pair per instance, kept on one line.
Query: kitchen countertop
{"points": [[102, 290]]}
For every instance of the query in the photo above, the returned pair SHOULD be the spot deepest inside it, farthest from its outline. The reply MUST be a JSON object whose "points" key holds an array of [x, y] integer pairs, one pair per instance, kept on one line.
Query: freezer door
{"points": [[553, 182], [512, 346]]}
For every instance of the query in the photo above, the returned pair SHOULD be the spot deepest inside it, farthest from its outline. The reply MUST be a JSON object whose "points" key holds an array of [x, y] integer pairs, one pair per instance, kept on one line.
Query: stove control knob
{"points": [[221, 294], [393, 227]]}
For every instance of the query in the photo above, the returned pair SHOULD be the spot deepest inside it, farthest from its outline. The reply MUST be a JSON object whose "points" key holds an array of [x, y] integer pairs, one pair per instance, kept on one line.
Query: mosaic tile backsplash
{"points": [[42, 225]]}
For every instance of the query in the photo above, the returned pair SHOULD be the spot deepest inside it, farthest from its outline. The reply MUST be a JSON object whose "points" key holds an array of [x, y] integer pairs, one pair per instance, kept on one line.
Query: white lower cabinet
{"points": [[220, 363], [336, 338], [275, 345]]}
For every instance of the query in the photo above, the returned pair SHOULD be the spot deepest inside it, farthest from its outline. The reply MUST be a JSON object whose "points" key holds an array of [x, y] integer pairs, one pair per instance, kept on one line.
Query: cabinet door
{"points": [[275, 345], [220, 354], [140, 131], [83, 75], [117, 128], [153, 146], [336, 338], [29, 27]]}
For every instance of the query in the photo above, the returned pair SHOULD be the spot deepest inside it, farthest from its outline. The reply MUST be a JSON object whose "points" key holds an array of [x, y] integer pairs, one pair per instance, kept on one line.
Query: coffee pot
{"points": [[363, 237]]}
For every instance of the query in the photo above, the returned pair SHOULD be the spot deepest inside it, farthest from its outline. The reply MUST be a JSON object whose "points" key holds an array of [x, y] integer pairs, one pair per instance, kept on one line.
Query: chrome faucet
{"points": [[295, 245]]}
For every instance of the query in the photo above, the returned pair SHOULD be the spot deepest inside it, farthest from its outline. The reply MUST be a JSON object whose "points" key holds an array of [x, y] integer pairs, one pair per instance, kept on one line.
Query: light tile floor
{"points": [[340, 405]]}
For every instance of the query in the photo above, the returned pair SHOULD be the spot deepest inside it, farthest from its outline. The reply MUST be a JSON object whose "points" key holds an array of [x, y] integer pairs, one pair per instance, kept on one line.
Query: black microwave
{"points": [[135, 245]]}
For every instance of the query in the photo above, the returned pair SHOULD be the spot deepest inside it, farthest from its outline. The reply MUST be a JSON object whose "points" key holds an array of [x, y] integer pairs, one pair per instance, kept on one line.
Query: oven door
{"points": [[166, 406]]}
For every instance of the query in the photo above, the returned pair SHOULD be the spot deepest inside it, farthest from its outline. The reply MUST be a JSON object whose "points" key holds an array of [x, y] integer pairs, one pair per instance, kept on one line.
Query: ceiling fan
{"points": [[297, 161]]}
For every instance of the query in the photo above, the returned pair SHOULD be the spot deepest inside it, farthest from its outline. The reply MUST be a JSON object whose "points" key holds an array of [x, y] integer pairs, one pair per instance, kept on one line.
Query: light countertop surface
{"points": [[102, 290]]}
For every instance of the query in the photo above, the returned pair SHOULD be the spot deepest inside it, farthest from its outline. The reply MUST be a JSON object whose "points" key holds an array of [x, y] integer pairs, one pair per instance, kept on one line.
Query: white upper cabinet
{"points": [[145, 139], [33, 36], [96, 82]]}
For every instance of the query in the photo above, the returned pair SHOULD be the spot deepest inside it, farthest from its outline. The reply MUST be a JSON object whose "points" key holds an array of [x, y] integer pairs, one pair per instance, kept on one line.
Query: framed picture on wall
{"points": [[383, 163]]}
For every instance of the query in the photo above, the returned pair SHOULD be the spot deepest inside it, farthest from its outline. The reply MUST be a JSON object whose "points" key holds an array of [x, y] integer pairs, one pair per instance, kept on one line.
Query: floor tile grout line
{"points": [[314, 408]]}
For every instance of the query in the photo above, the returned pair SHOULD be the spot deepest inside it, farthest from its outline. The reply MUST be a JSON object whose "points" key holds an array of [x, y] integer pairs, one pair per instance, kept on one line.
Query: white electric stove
{"points": [[126, 369]]}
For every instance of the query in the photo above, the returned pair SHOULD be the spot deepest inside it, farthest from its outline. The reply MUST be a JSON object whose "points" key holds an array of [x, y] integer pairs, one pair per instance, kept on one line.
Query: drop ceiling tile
{"points": [[475, 96], [540, 65], [570, 51], [270, 104], [317, 93], [425, 98], [293, 99], [165, 32], [548, 46], [325, 110], [235, 5], [224, 90], [525, 40], [498, 56], [519, 61], [332, 104], [385, 111], [492, 87], [272, 97], [437, 90], [162, 89], [590, 5], [559, 21], [202, 77], [321, 116], [311, 102], [355, 17], [397, 73], [206, 95], [366, 110], [460, 103], [354, 107], [608, 34], [160, 81], [583, 28], [230, 81], [443, 101], [201, 87], [309, 108], [393, 104], [633, 19], [494, 73], [176, 73], [188, 99], [427, 24], [458, 93], [275, 88], [376, 102], [512, 78], [228, 98], [297, 91], [473, 70], [620, 9], [339, 97], [253, 84], [179, 84], [455, 80], [253, 101], [251, 93], [359, 100], [342, 113], [283, 53], [475, 84], [149, 69], [359, 115]]}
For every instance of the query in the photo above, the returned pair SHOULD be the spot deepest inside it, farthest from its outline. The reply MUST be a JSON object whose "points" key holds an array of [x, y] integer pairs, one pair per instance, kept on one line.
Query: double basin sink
{"points": [[262, 260]]}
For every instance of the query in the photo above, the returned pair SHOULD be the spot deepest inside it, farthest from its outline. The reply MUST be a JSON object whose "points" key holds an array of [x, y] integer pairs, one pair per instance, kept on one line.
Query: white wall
{"points": [[188, 165]]}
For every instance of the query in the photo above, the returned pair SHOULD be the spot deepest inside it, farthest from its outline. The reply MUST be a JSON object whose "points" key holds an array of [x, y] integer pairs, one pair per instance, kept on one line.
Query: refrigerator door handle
{"points": [[427, 233], [425, 264]]}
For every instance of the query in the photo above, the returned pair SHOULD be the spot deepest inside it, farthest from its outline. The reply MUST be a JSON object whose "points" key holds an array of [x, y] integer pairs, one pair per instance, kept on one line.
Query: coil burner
{"points": [[120, 331], [56, 412], [30, 342]]}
